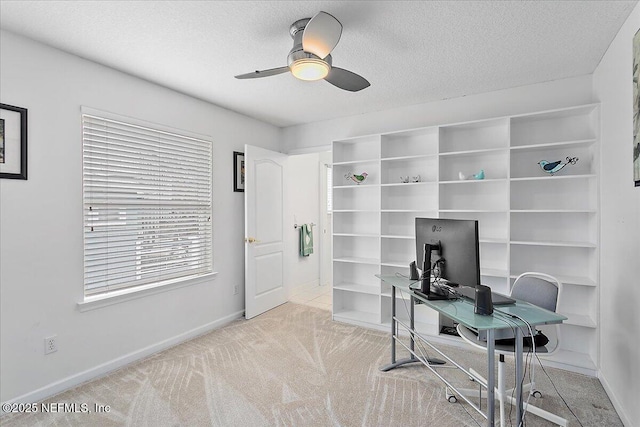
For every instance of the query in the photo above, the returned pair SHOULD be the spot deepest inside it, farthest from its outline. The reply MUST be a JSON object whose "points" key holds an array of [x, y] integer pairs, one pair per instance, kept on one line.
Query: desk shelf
{"points": [[528, 220]]}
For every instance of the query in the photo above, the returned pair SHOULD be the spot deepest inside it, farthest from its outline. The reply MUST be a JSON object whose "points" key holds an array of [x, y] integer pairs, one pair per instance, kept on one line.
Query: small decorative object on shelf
{"points": [[554, 167], [358, 179], [477, 176], [404, 179], [415, 178]]}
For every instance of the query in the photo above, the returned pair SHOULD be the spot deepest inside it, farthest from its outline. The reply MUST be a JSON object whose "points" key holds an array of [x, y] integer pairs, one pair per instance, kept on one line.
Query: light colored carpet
{"points": [[294, 366]]}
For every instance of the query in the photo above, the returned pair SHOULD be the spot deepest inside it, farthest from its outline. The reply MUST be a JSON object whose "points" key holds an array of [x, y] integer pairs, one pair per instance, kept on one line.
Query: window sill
{"points": [[116, 297]]}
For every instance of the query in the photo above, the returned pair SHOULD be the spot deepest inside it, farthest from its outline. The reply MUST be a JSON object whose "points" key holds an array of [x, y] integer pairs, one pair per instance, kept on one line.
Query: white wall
{"points": [[41, 272], [620, 227], [304, 208], [525, 99]]}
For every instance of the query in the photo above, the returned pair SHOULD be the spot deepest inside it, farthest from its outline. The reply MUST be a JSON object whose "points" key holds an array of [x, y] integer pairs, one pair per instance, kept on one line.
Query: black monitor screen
{"points": [[459, 248]]}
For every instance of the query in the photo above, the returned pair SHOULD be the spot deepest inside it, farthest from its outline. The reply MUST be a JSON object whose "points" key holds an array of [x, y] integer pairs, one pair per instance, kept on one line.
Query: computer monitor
{"points": [[454, 250]]}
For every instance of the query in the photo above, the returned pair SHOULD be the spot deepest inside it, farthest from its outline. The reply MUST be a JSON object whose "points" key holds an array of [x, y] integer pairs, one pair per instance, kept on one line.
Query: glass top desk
{"points": [[462, 311]]}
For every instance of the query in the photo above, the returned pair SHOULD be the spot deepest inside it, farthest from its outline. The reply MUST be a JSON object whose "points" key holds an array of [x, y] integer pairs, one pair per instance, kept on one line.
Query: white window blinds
{"points": [[147, 205]]}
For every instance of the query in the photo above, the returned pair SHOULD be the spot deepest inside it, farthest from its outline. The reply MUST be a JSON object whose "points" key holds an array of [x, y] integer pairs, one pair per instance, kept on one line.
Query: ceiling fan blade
{"points": [[321, 34], [263, 73], [346, 80]]}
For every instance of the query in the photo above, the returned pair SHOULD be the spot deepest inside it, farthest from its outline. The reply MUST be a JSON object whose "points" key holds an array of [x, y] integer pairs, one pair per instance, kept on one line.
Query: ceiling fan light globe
{"points": [[310, 69]]}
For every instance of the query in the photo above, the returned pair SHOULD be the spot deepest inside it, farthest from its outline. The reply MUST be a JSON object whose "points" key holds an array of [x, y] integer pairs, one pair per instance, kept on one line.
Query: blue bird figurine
{"points": [[479, 175], [554, 167]]}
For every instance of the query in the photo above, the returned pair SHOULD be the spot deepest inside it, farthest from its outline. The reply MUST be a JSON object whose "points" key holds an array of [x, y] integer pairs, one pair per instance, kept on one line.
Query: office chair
{"points": [[539, 289]]}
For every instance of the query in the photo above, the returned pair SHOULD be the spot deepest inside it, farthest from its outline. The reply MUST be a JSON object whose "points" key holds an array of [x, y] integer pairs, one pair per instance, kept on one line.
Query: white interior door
{"points": [[264, 199]]}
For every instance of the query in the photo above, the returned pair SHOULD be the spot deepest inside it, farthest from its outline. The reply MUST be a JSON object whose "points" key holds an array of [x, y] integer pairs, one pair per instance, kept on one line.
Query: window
{"points": [[147, 204]]}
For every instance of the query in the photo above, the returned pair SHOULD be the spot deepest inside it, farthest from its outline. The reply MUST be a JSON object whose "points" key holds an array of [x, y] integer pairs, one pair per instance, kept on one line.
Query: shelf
{"points": [[392, 236], [359, 149], [396, 264], [556, 177], [355, 162], [355, 210], [401, 158], [408, 184], [340, 187], [576, 281], [354, 287], [356, 235], [555, 145], [527, 220], [472, 210], [473, 181], [558, 244], [406, 210], [356, 316], [574, 124], [473, 152], [579, 320], [590, 211], [554, 193], [356, 260], [569, 280], [494, 241], [493, 272], [571, 358]]}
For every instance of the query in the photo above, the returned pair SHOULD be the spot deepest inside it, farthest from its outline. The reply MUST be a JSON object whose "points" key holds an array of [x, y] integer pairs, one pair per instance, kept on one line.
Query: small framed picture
{"points": [[13, 142], [238, 171]]}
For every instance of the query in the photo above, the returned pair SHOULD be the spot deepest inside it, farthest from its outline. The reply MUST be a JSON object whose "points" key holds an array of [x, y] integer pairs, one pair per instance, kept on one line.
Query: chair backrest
{"points": [[544, 291], [537, 288]]}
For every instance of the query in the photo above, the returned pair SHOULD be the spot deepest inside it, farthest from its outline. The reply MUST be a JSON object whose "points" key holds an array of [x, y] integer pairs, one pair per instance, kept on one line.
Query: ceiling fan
{"points": [[310, 59]]}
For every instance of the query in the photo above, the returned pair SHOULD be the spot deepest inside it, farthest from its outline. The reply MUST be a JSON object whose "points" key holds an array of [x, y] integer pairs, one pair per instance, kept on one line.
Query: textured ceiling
{"points": [[411, 52]]}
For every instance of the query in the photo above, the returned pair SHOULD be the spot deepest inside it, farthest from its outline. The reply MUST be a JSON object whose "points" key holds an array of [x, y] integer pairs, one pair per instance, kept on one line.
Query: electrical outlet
{"points": [[236, 289], [51, 344]]}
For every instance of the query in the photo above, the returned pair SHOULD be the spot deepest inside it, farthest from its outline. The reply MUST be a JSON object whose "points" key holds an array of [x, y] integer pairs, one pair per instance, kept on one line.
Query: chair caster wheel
{"points": [[536, 394], [450, 397]]}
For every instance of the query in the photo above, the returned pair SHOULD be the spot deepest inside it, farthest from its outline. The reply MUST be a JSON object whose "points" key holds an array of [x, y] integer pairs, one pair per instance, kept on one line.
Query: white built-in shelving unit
{"points": [[528, 220]]}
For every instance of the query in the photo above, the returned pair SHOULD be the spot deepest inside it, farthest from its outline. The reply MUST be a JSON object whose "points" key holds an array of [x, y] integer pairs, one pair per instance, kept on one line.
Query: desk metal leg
{"points": [[412, 323], [491, 377], [394, 335], [519, 375]]}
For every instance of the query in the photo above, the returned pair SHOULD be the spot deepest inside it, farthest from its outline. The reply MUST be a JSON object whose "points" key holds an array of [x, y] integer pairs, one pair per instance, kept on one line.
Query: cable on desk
{"points": [[532, 370]]}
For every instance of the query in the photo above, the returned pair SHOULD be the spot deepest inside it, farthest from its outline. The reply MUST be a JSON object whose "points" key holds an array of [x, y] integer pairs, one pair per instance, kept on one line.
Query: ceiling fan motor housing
{"points": [[320, 35], [297, 52]]}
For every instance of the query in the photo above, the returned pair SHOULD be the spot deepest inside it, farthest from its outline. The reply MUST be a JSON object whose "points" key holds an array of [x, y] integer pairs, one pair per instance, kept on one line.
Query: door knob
{"points": [[251, 240]]}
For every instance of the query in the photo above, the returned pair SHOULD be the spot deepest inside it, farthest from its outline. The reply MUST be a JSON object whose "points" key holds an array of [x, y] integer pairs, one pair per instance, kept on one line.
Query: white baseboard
{"points": [[103, 369], [614, 400]]}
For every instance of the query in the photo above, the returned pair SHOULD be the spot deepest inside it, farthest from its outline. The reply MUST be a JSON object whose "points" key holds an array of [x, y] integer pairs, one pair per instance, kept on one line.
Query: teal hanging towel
{"points": [[306, 240]]}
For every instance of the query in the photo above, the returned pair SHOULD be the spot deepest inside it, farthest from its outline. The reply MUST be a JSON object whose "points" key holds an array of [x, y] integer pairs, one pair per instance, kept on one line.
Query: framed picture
{"points": [[636, 109], [13, 142], [238, 171]]}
